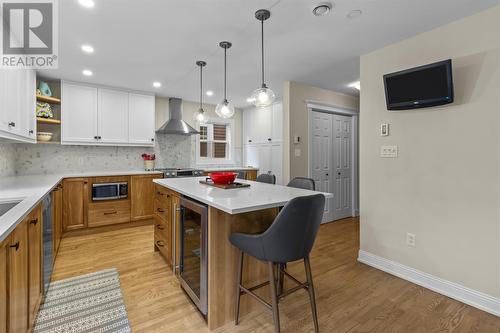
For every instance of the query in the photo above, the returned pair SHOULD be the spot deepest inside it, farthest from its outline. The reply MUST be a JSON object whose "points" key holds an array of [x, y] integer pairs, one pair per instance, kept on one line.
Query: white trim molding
{"points": [[453, 290]]}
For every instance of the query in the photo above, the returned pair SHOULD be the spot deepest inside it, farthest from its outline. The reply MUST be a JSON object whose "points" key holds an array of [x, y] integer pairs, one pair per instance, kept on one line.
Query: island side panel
{"points": [[223, 263]]}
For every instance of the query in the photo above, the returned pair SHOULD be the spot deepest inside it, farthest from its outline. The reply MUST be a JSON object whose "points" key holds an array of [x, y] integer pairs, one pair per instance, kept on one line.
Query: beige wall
{"points": [[295, 98], [188, 110], [445, 184]]}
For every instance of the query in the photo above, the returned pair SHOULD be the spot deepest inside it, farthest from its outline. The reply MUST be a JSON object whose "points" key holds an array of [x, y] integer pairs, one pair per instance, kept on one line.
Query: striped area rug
{"points": [[86, 303]]}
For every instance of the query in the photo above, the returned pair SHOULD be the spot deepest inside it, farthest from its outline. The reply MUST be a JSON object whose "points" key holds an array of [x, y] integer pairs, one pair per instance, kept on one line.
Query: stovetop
{"points": [[180, 172]]}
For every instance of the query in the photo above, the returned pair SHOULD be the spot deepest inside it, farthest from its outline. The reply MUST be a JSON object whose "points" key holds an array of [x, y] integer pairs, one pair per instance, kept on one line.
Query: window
{"points": [[214, 142]]}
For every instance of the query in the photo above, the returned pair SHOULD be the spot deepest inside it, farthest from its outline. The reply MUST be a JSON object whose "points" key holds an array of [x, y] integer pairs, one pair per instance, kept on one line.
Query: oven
{"points": [[109, 191], [193, 265]]}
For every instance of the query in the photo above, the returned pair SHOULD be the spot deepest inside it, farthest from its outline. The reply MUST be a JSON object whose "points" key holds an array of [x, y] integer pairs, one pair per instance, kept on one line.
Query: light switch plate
{"points": [[389, 151], [384, 129], [297, 152]]}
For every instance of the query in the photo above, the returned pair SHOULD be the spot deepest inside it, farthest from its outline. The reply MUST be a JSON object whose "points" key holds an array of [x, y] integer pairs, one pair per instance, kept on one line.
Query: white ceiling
{"points": [[138, 42]]}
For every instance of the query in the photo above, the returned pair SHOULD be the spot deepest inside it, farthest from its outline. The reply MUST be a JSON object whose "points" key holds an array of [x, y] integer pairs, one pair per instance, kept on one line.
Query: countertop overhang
{"points": [[235, 201]]}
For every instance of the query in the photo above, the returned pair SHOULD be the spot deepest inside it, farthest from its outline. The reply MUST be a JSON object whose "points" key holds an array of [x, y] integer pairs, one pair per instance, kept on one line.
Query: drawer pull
{"points": [[160, 210], [159, 227], [34, 221], [110, 213], [16, 246], [159, 193], [160, 244]]}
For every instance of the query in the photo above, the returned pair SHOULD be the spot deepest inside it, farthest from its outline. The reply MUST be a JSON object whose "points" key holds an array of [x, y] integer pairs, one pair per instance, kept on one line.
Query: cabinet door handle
{"points": [[34, 221], [110, 213], [95, 137], [16, 246], [152, 139], [159, 193], [12, 124], [160, 243], [31, 132], [249, 140], [159, 227], [160, 210], [268, 139]]}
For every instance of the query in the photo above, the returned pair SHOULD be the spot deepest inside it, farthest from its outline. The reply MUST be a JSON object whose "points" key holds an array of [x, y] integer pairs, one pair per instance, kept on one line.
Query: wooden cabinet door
{"points": [[4, 248], [75, 201], [141, 119], [112, 119], [56, 219], [79, 114], [34, 221], [142, 194], [18, 279]]}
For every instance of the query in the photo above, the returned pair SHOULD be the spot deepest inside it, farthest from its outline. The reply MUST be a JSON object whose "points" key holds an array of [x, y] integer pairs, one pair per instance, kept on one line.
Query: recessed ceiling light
{"points": [[353, 14], [355, 85], [156, 84], [87, 72], [87, 3], [250, 100], [87, 49], [322, 9], [209, 93]]}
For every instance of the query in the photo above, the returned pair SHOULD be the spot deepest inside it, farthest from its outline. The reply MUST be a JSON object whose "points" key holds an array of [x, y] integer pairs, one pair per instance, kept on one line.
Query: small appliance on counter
{"points": [[180, 172]]}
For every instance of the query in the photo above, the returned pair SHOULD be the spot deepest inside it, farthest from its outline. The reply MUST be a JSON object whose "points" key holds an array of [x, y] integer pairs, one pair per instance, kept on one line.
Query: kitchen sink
{"points": [[6, 206]]}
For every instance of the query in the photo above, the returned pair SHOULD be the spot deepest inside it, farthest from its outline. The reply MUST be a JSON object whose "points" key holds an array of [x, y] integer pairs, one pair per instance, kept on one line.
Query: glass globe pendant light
{"points": [[224, 109], [262, 96], [200, 116]]}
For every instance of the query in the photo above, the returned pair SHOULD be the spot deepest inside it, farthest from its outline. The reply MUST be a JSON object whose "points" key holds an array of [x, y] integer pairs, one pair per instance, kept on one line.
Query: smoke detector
{"points": [[322, 9]]}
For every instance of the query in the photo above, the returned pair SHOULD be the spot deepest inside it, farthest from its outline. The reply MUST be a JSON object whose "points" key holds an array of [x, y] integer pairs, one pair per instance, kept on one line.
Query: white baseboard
{"points": [[463, 294]]}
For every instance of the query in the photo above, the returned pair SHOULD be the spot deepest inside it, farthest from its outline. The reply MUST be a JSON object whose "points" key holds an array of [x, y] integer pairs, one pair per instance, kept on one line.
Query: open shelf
{"points": [[48, 121], [47, 99]]}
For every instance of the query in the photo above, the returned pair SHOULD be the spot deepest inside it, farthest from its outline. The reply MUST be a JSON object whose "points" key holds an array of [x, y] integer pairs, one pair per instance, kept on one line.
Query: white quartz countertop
{"points": [[228, 168], [234, 201], [30, 190]]}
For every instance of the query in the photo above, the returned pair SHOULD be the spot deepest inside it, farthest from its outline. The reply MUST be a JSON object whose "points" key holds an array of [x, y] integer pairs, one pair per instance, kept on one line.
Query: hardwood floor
{"points": [[351, 297]]}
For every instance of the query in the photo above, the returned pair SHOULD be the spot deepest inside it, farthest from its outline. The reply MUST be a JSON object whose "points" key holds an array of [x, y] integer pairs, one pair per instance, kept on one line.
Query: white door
{"points": [[276, 162], [277, 123], [78, 114], [321, 158], [343, 166], [262, 124], [112, 116], [252, 156], [141, 119]]}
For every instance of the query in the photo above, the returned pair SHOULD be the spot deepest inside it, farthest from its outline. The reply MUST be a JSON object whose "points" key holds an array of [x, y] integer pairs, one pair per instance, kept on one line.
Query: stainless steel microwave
{"points": [[109, 191]]}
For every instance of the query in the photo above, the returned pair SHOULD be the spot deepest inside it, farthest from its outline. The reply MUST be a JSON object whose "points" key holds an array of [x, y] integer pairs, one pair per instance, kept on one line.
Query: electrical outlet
{"points": [[410, 239], [389, 151]]}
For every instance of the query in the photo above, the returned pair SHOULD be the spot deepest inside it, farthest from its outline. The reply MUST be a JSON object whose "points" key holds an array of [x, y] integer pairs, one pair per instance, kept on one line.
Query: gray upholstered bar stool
{"points": [[268, 178], [303, 183], [289, 238]]}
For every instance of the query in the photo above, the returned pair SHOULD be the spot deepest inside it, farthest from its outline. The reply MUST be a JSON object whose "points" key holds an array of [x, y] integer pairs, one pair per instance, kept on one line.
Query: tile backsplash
{"points": [[7, 162], [170, 150]]}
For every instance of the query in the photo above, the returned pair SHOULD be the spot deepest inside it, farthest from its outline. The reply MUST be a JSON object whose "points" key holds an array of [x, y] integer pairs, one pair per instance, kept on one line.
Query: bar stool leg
{"points": [[238, 290], [274, 298], [312, 298]]}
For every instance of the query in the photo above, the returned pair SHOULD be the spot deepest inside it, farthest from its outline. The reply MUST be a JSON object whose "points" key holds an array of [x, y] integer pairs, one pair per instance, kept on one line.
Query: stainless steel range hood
{"points": [[175, 125]]}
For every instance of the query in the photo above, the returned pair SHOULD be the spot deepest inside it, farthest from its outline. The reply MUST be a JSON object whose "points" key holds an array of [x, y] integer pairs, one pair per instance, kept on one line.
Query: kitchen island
{"points": [[249, 210]]}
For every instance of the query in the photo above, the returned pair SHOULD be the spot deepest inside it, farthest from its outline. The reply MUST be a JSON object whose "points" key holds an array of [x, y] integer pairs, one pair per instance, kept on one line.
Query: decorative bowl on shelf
{"points": [[44, 136], [223, 178]]}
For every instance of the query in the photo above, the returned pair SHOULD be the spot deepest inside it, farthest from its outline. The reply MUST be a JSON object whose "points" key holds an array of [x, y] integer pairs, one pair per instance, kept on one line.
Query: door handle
{"points": [[327, 175], [34, 221], [338, 173], [159, 227], [12, 124]]}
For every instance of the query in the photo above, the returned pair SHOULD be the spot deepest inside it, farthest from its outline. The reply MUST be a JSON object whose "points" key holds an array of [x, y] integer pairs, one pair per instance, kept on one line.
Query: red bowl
{"points": [[223, 178]]}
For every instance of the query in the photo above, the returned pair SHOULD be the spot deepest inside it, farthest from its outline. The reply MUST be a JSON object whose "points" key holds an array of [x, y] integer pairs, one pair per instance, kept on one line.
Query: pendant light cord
{"points": [[225, 65], [262, 49], [201, 87]]}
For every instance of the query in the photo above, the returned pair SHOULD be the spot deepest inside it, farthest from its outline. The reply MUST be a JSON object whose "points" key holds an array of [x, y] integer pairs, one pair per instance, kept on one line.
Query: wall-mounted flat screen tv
{"points": [[419, 87]]}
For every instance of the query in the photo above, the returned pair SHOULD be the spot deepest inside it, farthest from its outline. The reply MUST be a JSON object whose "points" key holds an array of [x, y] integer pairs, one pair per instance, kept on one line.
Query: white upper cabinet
{"points": [[78, 114], [263, 125], [17, 105], [112, 116], [102, 116], [141, 119]]}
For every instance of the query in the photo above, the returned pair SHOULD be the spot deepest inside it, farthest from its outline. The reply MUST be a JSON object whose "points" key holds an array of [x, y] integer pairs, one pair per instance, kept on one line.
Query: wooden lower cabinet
{"points": [[142, 191], [163, 222], [34, 222], [251, 175], [4, 251], [108, 212], [75, 201], [18, 288], [57, 219]]}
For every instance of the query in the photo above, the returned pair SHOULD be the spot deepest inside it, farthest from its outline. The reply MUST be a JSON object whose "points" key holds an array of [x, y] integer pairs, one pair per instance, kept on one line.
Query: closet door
{"points": [[112, 116], [342, 141]]}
